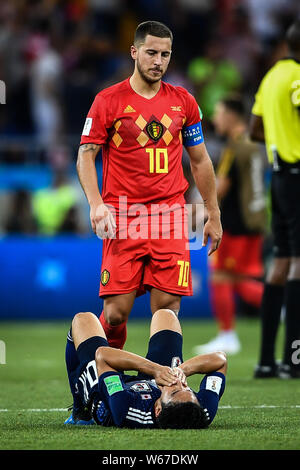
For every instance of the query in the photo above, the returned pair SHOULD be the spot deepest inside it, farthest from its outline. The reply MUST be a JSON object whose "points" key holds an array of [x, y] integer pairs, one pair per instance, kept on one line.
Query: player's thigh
{"points": [[118, 307], [85, 325], [169, 272], [122, 266]]}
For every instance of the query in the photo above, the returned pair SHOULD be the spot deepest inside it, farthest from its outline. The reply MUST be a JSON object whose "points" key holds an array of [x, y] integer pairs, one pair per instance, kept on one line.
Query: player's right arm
{"points": [[94, 135], [205, 364], [102, 221], [112, 360]]}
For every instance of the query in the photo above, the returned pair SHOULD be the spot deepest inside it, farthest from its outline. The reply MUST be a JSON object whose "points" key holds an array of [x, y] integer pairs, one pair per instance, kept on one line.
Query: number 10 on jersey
{"points": [[158, 160]]}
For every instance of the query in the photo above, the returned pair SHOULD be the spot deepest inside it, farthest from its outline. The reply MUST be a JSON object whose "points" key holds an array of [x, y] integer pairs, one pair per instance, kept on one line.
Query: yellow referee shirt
{"points": [[277, 101]]}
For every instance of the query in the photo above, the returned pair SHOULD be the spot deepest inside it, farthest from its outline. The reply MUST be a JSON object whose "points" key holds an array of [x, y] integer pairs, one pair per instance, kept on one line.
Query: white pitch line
{"points": [[33, 410], [225, 407]]}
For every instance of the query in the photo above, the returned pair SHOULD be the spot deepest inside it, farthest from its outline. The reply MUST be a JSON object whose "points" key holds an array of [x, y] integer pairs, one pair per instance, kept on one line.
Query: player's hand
{"points": [[180, 375], [213, 230], [165, 376], [102, 221]]}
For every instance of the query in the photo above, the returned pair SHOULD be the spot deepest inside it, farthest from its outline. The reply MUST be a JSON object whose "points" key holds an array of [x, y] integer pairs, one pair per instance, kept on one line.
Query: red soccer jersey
{"points": [[142, 141]]}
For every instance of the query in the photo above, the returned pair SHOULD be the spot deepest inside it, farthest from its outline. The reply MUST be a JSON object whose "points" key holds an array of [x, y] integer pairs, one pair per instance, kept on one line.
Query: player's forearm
{"points": [[87, 174], [123, 360], [204, 364], [205, 180], [256, 129]]}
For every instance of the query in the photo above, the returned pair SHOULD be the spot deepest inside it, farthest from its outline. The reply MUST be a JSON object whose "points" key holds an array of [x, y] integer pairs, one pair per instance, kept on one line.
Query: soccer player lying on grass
{"points": [[158, 396]]}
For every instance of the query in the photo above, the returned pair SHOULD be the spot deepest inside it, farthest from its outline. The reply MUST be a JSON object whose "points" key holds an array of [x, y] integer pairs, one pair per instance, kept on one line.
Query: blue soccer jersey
{"points": [[122, 400], [130, 401]]}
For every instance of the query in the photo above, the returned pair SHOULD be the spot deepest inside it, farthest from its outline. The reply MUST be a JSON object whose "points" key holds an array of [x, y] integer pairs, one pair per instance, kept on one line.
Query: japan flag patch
{"points": [[87, 126], [146, 396]]}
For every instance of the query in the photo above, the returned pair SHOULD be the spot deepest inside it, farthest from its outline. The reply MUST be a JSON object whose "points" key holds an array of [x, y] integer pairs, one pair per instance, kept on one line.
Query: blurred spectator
{"points": [[46, 80], [20, 219], [241, 46], [268, 18], [213, 76], [56, 55], [55, 208]]}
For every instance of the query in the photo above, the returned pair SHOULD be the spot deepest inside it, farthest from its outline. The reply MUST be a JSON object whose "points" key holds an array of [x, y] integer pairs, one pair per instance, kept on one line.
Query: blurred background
{"points": [[55, 56]]}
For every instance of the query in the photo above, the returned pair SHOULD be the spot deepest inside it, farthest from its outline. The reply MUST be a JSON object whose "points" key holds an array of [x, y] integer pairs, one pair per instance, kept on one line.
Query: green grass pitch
{"points": [[253, 414]]}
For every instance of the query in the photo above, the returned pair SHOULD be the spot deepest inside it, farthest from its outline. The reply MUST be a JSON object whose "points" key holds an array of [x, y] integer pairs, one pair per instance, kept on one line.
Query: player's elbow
{"points": [[101, 353], [221, 360]]}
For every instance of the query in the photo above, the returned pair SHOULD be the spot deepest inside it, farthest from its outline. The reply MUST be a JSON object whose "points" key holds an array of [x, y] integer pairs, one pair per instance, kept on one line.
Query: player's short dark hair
{"points": [[235, 104], [293, 37], [154, 28], [182, 415]]}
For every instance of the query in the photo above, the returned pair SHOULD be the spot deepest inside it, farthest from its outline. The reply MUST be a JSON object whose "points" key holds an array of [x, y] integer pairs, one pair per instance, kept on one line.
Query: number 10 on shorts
{"points": [[184, 268]]}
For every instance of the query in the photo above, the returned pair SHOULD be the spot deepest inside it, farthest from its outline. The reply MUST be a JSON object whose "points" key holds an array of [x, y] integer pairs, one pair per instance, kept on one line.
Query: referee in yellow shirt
{"points": [[276, 121]]}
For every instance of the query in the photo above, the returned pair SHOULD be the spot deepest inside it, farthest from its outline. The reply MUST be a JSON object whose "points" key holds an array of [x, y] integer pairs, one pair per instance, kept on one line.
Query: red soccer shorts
{"points": [[239, 254], [132, 263]]}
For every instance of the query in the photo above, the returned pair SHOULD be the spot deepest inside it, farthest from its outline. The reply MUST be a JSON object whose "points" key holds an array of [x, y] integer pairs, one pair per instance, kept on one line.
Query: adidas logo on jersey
{"points": [[129, 109]]}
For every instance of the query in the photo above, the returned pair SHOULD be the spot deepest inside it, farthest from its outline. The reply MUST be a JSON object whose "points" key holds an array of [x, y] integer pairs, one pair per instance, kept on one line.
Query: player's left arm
{"points": [[205, 364], [205, 180]]}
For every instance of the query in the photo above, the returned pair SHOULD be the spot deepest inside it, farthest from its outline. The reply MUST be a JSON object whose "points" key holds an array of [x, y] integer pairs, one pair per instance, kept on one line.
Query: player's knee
{"points": [[162, 310], [115, 317], [277, 277], [279, 271], [294, 269], [173, 305], [80, 318]]}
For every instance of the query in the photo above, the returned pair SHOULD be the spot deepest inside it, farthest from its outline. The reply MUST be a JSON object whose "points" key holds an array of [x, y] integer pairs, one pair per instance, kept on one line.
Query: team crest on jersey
{"points": [[154, 130], [175, 361], [105, 275], [141, 387]]}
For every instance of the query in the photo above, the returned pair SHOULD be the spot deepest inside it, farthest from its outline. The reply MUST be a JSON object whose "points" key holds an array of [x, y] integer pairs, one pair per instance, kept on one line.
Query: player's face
{"points": [[220, 119], [177, 393], [152, 58]]}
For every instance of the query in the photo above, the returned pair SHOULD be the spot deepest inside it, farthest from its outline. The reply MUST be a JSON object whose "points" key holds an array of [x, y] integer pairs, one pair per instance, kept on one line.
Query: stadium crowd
{"points": [[56, 55]]}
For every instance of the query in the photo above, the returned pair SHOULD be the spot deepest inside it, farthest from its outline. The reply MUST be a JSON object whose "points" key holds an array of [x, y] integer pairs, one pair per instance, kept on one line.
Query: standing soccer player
{"points": [[276, 121], [141, 125]]}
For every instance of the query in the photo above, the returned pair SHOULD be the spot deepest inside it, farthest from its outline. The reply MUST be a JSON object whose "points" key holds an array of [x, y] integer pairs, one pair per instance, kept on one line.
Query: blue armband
{"points": [[192, 135]]}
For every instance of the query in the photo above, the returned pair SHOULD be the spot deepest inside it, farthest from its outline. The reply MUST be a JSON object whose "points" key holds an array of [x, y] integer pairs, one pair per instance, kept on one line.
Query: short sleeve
{"points": [[211, 390], [193, 111], [192, 130], [114, 395], [95, 126]]}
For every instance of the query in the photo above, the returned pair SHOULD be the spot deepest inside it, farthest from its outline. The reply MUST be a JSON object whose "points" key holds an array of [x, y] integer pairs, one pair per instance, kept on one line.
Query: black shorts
{"points": [[285, 191]]}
